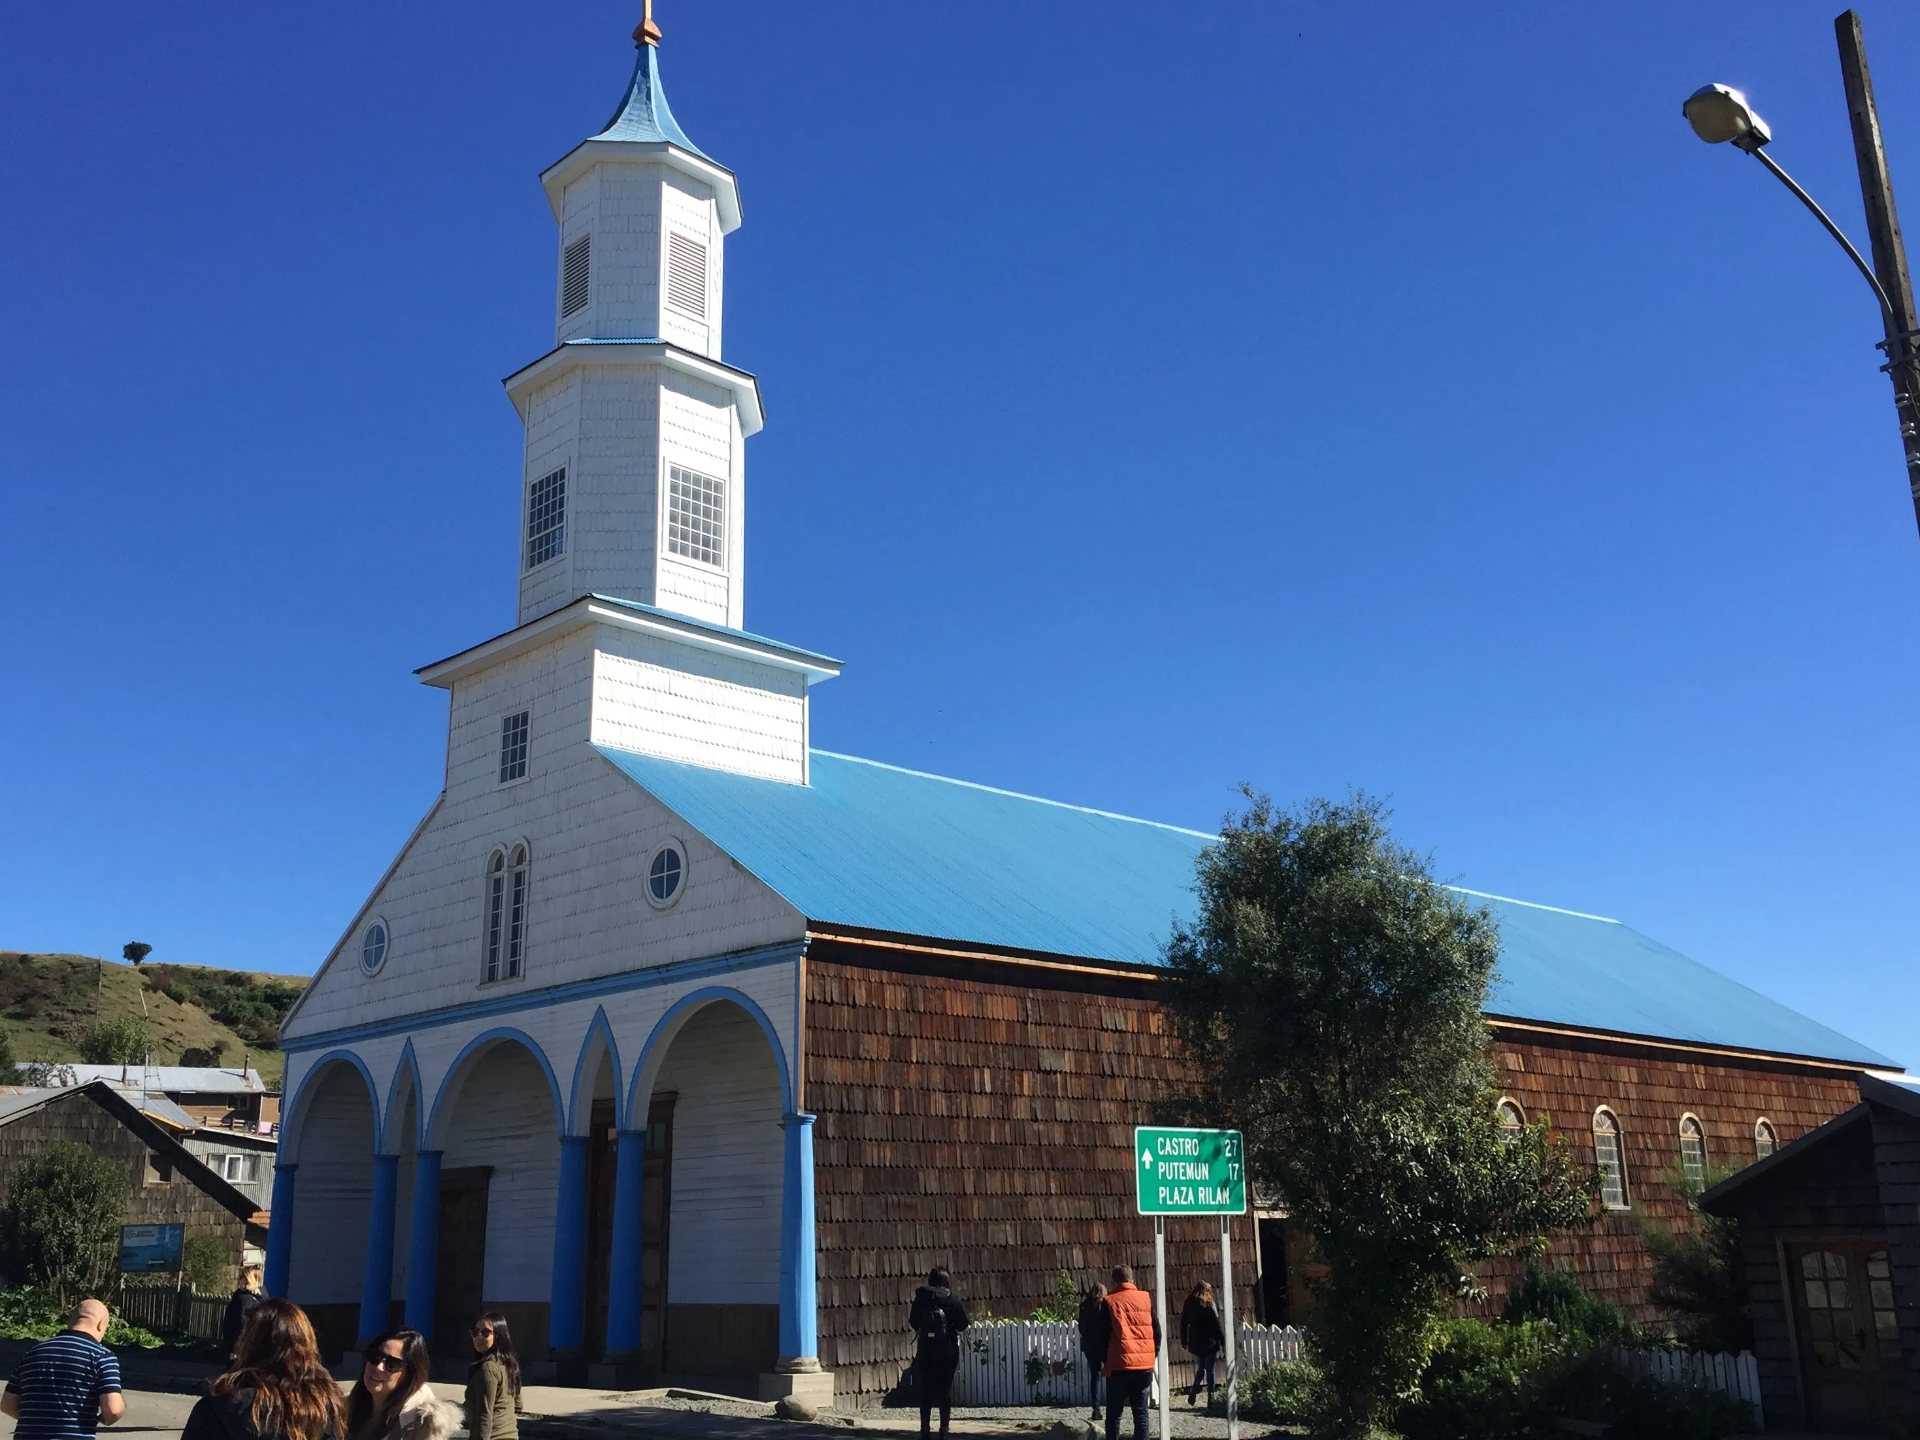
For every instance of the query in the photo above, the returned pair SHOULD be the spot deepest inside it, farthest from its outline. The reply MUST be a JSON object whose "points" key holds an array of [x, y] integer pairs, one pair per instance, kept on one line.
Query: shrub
{"points": [[204, 1259], [9, 1067], [1480, 1380], [116, 1042], [60, 1221], [1594, 1385], [1064, 1301], [1291, 1392], [1557, 1296], [30, 1313]]}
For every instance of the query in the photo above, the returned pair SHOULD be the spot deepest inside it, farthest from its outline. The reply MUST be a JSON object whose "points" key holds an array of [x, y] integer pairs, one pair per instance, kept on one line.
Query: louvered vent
{"points": [[573, 276], [687, 275]]}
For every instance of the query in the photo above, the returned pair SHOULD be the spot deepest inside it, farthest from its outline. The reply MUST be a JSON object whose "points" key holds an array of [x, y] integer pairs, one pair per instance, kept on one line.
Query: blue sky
{"points": [[1390, 396]]}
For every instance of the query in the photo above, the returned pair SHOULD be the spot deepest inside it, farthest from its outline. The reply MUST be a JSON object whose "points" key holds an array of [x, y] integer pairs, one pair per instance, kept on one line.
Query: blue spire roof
{"points": [[643, 115]]}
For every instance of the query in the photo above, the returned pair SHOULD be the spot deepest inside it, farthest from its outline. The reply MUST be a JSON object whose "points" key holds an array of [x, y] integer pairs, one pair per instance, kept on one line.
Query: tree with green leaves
{"points": [[1699, 1276], [116, 1042], [60, 1221], [1329, 996], [9, 1063]]}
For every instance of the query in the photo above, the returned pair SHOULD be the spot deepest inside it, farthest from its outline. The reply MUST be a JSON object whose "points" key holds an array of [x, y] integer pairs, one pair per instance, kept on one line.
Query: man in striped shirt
{"points": [[66, 1386]]}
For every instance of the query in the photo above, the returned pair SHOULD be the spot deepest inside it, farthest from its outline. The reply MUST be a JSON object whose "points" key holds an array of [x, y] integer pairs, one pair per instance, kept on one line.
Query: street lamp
{"points": [[1721, 115]]}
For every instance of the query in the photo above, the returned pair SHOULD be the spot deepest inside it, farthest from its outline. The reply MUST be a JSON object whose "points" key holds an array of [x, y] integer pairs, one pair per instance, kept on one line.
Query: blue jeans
{"points": [[1203, 1371]]}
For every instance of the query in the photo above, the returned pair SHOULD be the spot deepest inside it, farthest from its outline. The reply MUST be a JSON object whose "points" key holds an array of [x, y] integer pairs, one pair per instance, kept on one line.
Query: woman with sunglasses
{"points": [[392, 1399], [493, 1384]]}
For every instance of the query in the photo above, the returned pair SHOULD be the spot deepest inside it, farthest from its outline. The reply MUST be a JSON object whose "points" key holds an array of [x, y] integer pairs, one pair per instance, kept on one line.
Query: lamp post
{"points": [[1721, 115]]}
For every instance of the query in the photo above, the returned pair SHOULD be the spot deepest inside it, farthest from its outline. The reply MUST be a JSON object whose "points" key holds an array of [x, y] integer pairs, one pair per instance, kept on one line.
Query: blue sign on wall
{"points": [[145, 1248]]}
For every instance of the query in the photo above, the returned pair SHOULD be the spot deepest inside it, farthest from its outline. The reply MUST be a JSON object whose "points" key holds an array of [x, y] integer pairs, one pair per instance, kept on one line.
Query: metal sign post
{"points": [[1163, 1373], [1226, 1324], [1182, 1171]]}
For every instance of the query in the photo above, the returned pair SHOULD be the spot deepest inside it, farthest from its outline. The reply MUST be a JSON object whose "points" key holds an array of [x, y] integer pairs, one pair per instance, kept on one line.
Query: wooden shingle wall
{"points": [[78, 1119], [978, 1115], [987, 1127], [1649, 1090], [1896, 1155]]}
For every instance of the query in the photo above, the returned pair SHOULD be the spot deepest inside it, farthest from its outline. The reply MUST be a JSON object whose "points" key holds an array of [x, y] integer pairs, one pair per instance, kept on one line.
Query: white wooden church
{"points": [[567, 1060]]}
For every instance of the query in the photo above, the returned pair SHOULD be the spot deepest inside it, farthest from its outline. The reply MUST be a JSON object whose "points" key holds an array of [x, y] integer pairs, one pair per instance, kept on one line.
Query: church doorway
{"points": [[710, 1224], [335, 1138]]}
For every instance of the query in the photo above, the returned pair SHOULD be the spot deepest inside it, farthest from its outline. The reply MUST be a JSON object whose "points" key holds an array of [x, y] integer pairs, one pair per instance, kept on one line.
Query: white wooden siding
{"points": [[503, 1117], [582, 212], [553, 425], [688, 206], [656, 698], [332, 1189], [728, 1153]]}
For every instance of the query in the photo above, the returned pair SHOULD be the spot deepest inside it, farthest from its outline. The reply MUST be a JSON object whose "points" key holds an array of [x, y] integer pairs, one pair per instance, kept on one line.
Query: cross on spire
{"points": [[646, 32]]}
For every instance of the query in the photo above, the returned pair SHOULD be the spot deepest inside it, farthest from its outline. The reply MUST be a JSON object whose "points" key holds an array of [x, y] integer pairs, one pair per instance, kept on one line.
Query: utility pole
{"points": [[1889, 250]]}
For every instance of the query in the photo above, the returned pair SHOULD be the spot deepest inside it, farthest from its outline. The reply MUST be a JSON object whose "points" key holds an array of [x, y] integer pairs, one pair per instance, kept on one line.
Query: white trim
{"points": [[679, 846], [641, 154], [386, 945], [445, 674], [636, 355]]}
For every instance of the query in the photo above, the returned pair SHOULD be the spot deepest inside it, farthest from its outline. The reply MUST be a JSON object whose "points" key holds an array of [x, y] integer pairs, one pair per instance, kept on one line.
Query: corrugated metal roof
{"points": [[180, 1079], [877, 847]]}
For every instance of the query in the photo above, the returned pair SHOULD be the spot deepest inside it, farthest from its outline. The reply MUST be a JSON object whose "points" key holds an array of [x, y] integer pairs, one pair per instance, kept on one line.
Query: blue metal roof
{"points": [[876, 847], [643, 114], [711, 627]]}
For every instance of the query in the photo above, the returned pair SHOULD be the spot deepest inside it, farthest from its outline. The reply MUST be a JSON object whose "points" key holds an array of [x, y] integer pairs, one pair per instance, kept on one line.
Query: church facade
{"points": [[688, 1045]]}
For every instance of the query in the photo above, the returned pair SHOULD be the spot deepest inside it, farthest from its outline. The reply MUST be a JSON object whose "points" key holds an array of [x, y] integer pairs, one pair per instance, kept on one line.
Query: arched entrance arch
{"points": [[482, 1210], [697, 1248], [324, 1193]]}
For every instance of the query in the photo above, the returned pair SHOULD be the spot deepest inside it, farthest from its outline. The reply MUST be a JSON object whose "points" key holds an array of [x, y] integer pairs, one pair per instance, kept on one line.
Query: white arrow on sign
{"points": [[1146, 1159]]}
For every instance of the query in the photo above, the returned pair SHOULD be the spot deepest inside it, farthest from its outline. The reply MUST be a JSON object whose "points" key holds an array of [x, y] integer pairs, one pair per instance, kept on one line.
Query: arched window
{"points": [[1512, 1120], [506, 924], [1693, 1151], [1608, 1158], [1765, 1141]]}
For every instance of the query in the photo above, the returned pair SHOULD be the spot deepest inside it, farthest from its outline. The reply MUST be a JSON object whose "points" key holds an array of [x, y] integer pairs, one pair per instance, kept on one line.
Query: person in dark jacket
{"points": [[1095, 1332], [276, 1389], [1203, 1335], [936, 1319], [239, 1308]]}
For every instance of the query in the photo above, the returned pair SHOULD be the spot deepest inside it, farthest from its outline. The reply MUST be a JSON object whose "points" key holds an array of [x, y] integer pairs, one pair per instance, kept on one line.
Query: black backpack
{"points": [[933, 1318]]}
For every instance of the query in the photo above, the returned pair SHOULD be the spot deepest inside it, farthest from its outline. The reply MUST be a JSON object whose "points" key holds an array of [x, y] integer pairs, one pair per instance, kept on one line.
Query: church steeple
{"points": [[644, 114], [634, 473]]}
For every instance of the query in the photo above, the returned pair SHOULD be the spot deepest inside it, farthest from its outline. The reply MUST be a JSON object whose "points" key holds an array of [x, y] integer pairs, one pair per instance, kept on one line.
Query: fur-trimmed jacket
{"points": [[425, 1416]]}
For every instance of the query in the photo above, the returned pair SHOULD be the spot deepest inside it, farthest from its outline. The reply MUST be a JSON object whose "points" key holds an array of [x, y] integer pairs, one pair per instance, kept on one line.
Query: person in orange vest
{"points": [[1133, 1348]]}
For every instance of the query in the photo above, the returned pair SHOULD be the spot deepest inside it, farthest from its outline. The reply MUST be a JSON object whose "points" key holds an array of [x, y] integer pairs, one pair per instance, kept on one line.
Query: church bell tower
{"points": [[634, 476]]}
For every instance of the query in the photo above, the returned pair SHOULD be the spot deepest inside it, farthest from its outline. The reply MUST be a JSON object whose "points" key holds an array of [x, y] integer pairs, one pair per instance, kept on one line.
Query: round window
{"points": [[666, 875], [373, 947]]}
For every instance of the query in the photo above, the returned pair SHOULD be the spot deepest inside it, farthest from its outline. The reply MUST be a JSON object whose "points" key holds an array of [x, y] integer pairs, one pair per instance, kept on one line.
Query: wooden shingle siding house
{"points": [[166, 1183], [690, 1046]]}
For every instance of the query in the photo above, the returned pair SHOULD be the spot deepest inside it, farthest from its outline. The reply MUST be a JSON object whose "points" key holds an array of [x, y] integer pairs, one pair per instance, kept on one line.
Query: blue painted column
{"points": [[799, 1330], [623, 1267], [423, 1243], [376, 1287], [280, 1232], [567, 1312]]}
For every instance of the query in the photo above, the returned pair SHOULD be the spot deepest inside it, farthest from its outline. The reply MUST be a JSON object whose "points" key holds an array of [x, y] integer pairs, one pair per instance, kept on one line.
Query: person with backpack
{"points": [[1204, 1336], [936, 1319], [1133, 1349], [1094, 1336]]}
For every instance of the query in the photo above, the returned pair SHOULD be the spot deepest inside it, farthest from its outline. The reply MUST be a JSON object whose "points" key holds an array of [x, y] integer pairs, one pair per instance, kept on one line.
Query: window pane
{"points": [[547, 518], [696, 516]]}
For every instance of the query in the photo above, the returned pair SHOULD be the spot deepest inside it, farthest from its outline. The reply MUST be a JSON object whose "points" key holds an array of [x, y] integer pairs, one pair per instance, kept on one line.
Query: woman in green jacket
{"points": [[493, 1384]]}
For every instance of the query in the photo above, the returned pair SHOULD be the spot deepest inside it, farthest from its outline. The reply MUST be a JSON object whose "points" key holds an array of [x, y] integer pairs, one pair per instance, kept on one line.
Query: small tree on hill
{"points": [[1329, 996], [60, 1221], [9, 1065], [116, 1042]]}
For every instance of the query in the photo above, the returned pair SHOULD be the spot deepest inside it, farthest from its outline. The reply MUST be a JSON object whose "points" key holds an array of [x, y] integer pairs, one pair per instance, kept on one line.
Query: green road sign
{"points": [[1188, 1172]]}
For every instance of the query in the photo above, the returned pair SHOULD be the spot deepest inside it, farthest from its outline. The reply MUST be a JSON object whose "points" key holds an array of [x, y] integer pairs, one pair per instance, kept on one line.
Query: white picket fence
{"points": [[1735, 1375], [1038, 1362], [997, 1358]]}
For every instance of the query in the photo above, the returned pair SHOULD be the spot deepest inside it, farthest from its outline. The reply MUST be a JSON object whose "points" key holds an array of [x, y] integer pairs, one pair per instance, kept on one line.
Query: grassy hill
{"points": [[49, 1002]]}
